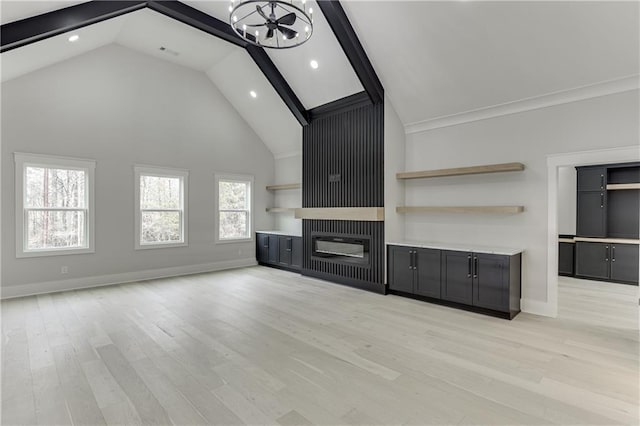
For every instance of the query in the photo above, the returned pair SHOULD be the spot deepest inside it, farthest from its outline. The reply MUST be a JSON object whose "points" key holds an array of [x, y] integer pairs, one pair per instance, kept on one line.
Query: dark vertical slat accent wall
{"points": [[349, 144]]}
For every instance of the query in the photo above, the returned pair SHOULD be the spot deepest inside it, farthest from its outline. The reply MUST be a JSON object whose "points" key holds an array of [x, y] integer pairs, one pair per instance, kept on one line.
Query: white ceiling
{"points": [[229, 67], [334, 78], [441, 58]]}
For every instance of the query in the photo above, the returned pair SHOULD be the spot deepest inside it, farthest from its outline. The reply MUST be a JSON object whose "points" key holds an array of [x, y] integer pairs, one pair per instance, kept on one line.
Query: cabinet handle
{"points": [[475, 267], [601, 200], [415, 260], [410, 259], [601, 181], [469, 265], [613, 253], [606, 253]]}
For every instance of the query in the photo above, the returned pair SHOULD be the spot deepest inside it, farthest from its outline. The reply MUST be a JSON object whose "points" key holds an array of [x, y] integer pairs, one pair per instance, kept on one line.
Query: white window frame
{"points": [[183, 175], [22, 161], [234, 178]]}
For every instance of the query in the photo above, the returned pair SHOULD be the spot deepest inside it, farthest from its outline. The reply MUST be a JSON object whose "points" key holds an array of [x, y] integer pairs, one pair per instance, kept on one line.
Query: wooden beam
{"points": [[459, 171], [283, 187], [30, 30], [368, 214], [460, 209], [348, 39]]}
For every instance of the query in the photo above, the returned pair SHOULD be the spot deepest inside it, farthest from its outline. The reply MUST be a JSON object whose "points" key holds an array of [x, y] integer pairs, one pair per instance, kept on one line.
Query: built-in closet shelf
{"points": [[619, 186], [473, 170], [460, 209], [281, 209], [284, 186]]}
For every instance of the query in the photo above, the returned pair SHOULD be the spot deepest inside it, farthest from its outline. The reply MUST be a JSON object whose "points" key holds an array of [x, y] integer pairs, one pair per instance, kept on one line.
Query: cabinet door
{"points": [[262, 248], [284, 251], [592, 178], [592, 260], [401, 273], [273, 249], [591, 214], [565, 258], [456, 277], [624, 263], [296, 252], [491, 281], [427, 281]]}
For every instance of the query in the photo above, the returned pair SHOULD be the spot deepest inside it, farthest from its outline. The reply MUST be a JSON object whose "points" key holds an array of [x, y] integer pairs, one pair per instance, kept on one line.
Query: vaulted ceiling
{"points": [[434, 59]]}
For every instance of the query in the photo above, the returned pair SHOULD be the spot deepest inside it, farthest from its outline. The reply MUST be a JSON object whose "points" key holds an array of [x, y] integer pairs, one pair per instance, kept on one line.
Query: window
{"points": [[161, 212], [234, 208], [54, 205]]}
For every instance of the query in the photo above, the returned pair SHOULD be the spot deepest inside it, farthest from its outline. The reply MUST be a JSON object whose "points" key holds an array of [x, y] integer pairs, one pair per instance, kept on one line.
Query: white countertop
{"points": [[507, 251], [289, 234]]}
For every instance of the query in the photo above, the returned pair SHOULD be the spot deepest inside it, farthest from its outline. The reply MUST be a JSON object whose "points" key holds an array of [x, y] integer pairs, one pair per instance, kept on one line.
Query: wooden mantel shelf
{"points": [[283, 187], [459, 171], [460, 209]]}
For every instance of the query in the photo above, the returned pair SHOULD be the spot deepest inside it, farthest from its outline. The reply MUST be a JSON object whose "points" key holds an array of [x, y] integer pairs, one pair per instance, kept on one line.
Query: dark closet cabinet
{"points": [[607, 261], [591, 218]]}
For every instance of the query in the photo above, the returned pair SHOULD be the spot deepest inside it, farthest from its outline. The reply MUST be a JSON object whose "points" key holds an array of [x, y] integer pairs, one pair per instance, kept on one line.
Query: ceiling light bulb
{"points": [[306, 29], [284, 37], [244, 27], [253, 94], [257, 33], [314, 64], [74, 37], [235, 18], [310, 10]]}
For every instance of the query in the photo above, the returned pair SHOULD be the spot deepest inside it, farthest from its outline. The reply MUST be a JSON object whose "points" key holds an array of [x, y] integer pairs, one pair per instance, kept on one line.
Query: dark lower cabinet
{"points": [[414, 270], [283, 251], [592, 260], [624, 263], [457, 276], [566, 259], [476, 280], [607, 261]]}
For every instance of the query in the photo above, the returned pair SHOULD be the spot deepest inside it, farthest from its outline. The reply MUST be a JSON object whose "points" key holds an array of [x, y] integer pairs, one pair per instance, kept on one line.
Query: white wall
{"points": [[528, 137], [394, 162], [120, 107], [288, 169], [567, 180]]}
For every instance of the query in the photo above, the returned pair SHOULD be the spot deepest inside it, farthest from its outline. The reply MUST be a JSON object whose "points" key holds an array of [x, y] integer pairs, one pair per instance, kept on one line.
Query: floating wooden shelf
{"points": [[281, 209], [474, 170], [460, 209], [370, 214], [283, 187], [617, 186]]}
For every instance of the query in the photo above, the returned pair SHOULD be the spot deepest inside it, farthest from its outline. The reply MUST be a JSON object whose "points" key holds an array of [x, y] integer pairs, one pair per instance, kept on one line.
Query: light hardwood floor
{"points": [[263, 346]]}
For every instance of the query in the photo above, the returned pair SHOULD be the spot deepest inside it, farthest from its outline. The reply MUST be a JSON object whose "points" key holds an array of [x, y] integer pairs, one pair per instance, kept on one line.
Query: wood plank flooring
{"points": [[263, 346]]}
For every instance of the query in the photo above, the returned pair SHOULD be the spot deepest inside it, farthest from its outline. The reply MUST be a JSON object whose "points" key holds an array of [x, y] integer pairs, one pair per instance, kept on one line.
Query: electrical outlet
{"points": [[64, 270]]}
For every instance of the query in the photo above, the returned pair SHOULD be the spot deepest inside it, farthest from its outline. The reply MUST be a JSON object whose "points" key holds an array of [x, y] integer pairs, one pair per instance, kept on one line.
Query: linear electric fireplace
{"points": [[341, 248]]}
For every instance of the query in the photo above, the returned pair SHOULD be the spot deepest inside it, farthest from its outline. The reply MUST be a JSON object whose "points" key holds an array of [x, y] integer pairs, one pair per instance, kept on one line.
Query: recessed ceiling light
{"points": [[74, 37], [253, 94], [314, 64]]}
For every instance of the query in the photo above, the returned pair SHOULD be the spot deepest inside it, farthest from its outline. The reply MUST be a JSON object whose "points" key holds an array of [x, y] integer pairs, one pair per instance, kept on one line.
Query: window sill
{"points": [[159, 246], [236, 240], [47, 253]]}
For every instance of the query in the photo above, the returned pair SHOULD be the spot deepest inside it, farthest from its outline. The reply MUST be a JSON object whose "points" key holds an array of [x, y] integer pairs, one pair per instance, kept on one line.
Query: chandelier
{"points": [[274, 24]]}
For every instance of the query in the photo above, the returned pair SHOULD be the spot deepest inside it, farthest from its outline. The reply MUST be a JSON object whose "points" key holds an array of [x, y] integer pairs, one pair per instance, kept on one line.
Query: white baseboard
{"points": [[537, 307], [9, 292]]}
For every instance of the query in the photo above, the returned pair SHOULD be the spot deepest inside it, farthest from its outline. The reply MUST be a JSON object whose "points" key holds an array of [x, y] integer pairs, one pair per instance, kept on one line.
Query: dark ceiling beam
{"points": [[197, 19], [279, 83], [30, 30], [344, 32]]}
